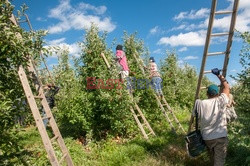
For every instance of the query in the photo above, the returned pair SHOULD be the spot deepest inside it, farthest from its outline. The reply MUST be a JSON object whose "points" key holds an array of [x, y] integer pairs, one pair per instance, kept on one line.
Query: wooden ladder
{"points": [[209, 35], [142, 122], [163, 106], [31, 98], [226, 53]]}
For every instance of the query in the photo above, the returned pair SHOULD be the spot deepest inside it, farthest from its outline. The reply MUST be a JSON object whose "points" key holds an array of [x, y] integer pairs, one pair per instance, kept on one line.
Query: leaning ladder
{"points": [[36, 114], [209, 35], [138, 115], [163, 106], [206, 54], [143, 123]]}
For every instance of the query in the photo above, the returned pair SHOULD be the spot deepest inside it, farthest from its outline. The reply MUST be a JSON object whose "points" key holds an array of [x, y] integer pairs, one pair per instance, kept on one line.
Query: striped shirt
{"points": [[153, 70]]}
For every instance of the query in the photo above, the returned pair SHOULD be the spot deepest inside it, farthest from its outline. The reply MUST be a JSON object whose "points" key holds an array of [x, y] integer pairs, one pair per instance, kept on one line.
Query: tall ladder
{"points": [[226, 53], [164, 106], [138, 115], [36, 114]]}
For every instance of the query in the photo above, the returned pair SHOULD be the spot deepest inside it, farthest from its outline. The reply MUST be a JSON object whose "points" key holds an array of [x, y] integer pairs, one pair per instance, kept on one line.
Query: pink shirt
{"points": [[122, 59]]}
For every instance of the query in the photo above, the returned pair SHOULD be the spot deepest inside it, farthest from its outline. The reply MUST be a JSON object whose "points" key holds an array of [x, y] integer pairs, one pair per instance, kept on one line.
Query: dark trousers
{"points": [[217, 149]]}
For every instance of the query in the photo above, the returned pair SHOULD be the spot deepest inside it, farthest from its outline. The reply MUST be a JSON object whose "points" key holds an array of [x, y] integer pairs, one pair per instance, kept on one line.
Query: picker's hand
{"points": [[216, 71]]}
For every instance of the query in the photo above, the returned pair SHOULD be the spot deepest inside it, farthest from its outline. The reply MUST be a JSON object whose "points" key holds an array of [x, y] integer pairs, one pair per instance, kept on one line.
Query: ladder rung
{"points": [[38, 97], [149, 133], [203, 87], [46, 118], [215, 53], [223, 12], [62, 158], [22, 21], [54, 138], [220, 34], [208, 71]]}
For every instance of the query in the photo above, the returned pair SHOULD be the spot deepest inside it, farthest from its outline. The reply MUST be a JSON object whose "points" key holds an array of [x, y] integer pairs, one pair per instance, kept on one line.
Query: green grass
{"points": [[166, 148]]}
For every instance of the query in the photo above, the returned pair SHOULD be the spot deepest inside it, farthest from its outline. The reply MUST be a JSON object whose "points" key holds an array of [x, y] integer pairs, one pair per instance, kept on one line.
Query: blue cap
{"points": [[152, 59], [213, 90]]}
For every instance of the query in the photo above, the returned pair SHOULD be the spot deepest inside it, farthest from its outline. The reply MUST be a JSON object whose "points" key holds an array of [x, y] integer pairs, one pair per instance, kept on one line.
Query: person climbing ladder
{"points": [[155, 77], [122, 60], [124, 69], [51, 91]]}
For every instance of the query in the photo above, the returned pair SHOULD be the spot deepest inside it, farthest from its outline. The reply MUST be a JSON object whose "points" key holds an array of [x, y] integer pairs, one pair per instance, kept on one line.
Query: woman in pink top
{"points": [[122, 60]]}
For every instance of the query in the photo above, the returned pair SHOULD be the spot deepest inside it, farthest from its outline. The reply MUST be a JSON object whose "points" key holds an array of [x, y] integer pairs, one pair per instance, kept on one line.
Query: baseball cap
{"points": [[213, 90]]}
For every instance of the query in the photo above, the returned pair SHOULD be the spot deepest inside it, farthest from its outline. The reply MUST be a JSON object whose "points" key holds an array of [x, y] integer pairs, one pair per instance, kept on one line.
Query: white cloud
{"points": [[98, 10], [185, 39], [242, 20], [178, 27], [79, 17], [157, 51], [233, 70], [41, 19], [73, 48], [193, 14], [182, 49], [233, 82], [223, 23], [190, 57], [154, 30], [56, 41], [220, 23]]}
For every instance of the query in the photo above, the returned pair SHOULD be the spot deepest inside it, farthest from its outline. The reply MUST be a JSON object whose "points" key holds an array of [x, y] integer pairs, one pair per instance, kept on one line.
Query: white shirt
{"points": [[212, 117]]}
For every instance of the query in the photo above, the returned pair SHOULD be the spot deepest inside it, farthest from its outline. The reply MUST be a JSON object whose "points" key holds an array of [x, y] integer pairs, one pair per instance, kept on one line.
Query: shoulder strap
{"points": [[197, 104]]}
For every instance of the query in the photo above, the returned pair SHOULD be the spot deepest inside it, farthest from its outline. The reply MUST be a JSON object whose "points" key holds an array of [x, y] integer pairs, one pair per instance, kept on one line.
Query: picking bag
{"points": [[194, 143]]}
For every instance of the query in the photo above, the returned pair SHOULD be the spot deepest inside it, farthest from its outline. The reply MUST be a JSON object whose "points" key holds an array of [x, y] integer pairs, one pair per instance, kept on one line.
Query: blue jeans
{"points": [[156, 84], [45, 121], [130, 82]]}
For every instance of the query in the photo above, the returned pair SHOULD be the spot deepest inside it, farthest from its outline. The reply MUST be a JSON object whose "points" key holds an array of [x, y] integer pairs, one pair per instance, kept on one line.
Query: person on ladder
{"points": [[212, 119], [123, 65], [51, 91], [155, 77]]}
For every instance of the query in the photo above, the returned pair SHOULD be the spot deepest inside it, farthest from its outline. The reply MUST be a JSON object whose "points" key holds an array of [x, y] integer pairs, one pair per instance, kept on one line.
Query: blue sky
{"points": [[163, 25]]}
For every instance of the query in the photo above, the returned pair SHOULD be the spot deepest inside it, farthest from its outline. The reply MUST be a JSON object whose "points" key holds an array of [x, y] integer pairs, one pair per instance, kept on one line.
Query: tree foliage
{"points": [[241, 89], [93, 112], [179, 82], [16, 47]]}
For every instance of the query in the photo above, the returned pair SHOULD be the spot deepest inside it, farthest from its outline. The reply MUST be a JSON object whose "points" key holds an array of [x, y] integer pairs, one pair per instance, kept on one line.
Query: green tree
{"points": [[72, 111], [241, 89], [180, 82], [238, 150], [16, 47], [109, 106], [138, 57]]}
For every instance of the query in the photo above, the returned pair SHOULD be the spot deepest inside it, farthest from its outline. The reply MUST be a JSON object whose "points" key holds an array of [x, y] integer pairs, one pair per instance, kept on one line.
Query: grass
{"points": [[165, 149]]}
